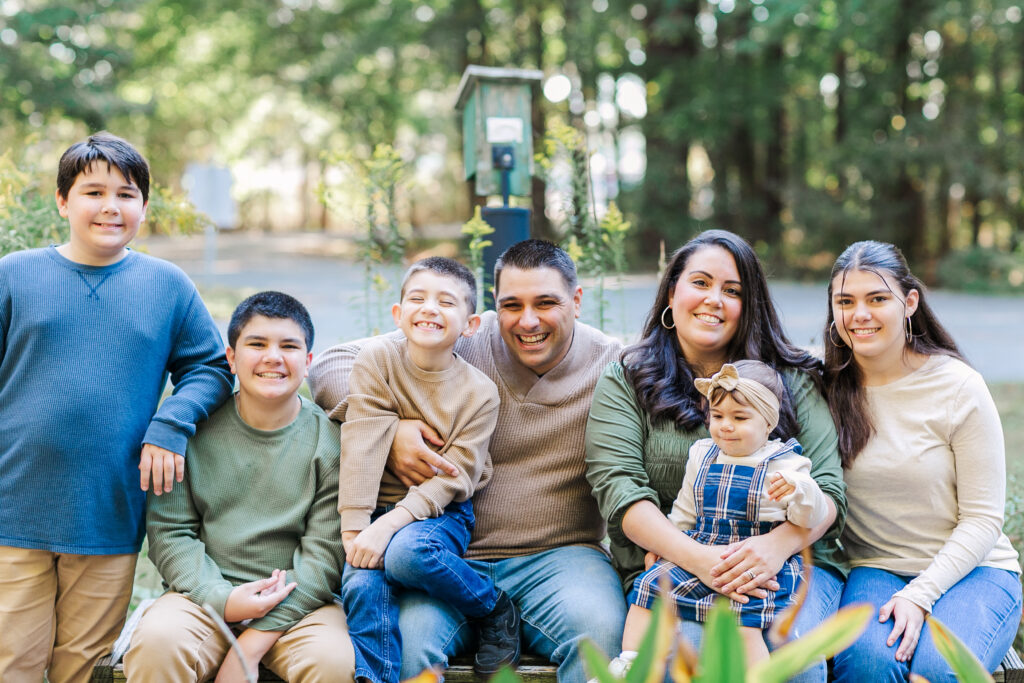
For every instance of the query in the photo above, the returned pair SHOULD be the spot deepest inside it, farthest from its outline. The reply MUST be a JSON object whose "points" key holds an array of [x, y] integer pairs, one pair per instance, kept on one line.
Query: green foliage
{"points": [[379, 179], [564, 149], [834, 635], [171, 213], [655, 648], [29, 218], [597, 247], [477, 229], [723, 659], [782, 121], [983, 269], [963, 662], [562, 162]]}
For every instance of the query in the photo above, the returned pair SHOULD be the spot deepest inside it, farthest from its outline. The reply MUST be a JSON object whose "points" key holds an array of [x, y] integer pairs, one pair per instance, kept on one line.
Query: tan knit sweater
{"points": [[460, 403], [538, 497]]}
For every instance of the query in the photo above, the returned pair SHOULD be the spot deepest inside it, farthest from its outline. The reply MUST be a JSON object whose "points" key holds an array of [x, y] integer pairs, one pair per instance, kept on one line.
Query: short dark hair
{"points": [[270, 305], [447, 267], [103, 146], [531, 254], [845, 393]]}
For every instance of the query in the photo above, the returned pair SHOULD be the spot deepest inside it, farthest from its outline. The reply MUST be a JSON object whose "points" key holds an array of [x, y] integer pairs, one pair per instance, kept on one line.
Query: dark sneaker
{"points": [[499, 638]]}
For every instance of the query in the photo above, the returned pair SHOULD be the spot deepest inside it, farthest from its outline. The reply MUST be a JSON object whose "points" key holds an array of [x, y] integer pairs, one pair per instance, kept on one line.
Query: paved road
{"points": [[321, 272]]}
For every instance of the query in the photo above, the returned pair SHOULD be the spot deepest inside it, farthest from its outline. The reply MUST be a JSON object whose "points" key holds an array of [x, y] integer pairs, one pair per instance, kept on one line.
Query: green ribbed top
{"points": [[253, 501]]}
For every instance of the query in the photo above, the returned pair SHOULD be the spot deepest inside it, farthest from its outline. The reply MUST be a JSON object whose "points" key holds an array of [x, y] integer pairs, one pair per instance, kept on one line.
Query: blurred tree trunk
{"points": [[671, 54], [907, 195]]}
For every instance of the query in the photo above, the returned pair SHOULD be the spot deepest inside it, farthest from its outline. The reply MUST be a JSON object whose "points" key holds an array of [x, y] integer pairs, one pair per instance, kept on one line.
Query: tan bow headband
{"points": [[761, 398]]}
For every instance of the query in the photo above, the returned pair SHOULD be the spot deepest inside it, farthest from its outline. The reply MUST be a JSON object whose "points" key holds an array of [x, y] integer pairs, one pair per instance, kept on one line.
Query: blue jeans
{"points": [[822, 602], [983, 609], [427, 556], [564, 595]]}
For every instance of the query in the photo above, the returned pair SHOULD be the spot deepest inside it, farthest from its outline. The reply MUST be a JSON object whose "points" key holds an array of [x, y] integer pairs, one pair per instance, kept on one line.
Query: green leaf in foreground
{"points": [[963, 662], [833, 635], [722, 659]]}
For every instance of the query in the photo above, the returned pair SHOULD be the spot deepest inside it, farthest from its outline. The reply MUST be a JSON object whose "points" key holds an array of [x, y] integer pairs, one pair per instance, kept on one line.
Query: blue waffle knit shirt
{"points": [[85, 352]]}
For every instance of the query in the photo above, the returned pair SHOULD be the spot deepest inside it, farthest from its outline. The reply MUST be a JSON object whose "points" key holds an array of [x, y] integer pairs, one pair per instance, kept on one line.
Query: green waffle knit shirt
{"points": [[253, 501]]}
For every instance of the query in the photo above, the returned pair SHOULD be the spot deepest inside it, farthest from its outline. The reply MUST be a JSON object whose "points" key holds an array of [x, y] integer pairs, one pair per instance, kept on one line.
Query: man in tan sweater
{"points": [[414, 537], [538, 529]]}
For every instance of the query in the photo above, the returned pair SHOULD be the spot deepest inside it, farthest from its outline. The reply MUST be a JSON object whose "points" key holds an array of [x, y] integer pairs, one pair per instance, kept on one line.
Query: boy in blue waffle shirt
{"points": [[89, 333]]}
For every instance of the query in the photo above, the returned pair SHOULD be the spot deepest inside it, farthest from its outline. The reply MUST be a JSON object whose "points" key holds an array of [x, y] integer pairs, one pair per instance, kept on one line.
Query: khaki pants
{"points": [[177, 641], [59, 612]]}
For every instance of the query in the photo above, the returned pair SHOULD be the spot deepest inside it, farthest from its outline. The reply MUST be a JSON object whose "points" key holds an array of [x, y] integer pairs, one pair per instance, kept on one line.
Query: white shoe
{"points": [[620, 665]]}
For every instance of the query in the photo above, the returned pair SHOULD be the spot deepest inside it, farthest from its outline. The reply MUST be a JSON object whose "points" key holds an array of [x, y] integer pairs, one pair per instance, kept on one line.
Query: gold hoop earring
{"points": [[909, 329], [832, 329], [668, 309]]}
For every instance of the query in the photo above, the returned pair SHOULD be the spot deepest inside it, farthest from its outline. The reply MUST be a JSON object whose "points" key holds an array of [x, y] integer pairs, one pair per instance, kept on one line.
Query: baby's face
{"points": [[737, 429]]}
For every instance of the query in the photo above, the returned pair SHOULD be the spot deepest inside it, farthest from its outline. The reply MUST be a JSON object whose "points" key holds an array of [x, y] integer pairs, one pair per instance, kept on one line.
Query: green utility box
{"points": [[496, 112]]}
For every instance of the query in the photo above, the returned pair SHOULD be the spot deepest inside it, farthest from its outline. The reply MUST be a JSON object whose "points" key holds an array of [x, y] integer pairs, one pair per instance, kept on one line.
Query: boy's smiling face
{"points": [[270, 359], [434, 311], [104, 210]]}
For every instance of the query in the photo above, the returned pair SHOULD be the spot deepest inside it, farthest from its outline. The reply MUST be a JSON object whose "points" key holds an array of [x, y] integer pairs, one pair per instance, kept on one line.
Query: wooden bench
{"points": [[535, 670], [532, 669]]}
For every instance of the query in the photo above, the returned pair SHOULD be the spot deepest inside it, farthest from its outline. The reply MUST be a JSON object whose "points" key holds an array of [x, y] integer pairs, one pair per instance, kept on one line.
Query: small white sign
{"points": [[504, 129], [209, 189]]}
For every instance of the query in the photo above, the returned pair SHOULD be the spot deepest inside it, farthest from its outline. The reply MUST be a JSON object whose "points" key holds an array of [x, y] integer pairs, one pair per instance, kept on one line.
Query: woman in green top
{"points": [[712, 307]]}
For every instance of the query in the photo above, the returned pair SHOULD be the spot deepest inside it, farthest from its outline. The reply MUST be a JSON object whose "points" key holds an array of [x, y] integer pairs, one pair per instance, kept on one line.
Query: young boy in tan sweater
{"points": [[399, 537]]}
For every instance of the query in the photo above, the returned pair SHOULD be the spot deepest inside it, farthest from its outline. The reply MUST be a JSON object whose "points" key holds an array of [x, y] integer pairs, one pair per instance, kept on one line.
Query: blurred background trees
{"points": [[801, 125]]}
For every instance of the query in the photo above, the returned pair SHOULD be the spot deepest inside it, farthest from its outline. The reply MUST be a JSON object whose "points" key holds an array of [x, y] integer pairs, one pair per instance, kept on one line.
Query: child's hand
{"points": [[254, 599], [367, 548], [346, 542], [779, 488], [649, 560], [165, 466]]}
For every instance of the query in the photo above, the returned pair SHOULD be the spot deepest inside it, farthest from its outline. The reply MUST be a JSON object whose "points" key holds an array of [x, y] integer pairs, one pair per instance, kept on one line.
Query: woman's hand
{"points": [[645, 525], [703, 560], [908, 619], [748, 566], [650, 559]]}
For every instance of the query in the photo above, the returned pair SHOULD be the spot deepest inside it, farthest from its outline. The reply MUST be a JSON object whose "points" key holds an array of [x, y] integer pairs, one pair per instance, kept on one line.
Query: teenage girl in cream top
{"points": [[924, 464]]}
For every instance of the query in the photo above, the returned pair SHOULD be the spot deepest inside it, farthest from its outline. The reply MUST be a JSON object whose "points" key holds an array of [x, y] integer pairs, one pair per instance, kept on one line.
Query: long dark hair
{"points": [[662, 378], [843, 378]]}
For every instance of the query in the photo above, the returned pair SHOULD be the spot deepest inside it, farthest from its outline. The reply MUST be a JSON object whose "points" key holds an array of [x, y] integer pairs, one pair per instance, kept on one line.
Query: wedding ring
{"points": [[750, 574]]}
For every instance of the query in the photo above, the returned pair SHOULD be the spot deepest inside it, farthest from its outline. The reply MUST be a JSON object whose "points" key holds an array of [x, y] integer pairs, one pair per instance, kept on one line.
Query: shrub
{"points": [[982, 269]]}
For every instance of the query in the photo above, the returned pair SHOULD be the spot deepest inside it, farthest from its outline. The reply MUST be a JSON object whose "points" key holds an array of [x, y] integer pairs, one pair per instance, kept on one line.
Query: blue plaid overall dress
{"points": [[728, 507]]}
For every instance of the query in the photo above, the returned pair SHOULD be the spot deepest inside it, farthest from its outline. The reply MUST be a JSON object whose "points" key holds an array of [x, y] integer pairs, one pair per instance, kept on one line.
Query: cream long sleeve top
{"points": [[460, 403], [927, 492], [807, 506]]}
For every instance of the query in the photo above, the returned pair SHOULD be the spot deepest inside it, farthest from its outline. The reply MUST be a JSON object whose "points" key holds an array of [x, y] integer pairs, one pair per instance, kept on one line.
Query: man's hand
{"points": [[254, 599], [779, 488], [366, 550], [254, 644], [908, 619], [411, 459], [165, 466]]}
